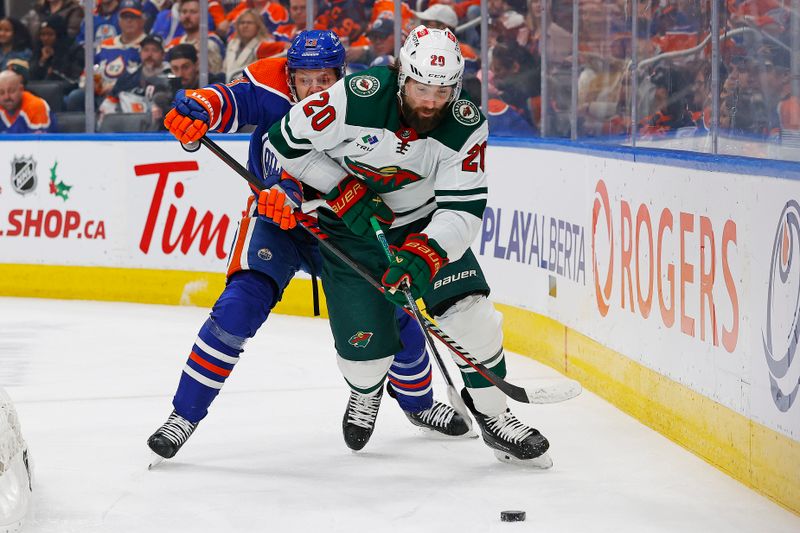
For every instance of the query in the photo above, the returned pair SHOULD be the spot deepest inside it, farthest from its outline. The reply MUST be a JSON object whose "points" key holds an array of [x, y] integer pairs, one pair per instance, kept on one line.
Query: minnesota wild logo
{"points": [[466, 113], [58, 188], [364, 85], [384, 179], [360, 339]]}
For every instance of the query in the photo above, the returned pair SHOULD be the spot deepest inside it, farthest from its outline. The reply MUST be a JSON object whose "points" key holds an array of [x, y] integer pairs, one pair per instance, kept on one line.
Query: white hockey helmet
{"points": [[432, 57]]}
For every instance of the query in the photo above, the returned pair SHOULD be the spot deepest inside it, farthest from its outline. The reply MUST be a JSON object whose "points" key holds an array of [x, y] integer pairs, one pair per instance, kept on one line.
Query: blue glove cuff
{"points": [[188, 107]]}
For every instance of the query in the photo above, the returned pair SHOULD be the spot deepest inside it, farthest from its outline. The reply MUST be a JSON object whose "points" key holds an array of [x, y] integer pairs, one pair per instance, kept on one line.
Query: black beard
{"points": [[418, 123]]}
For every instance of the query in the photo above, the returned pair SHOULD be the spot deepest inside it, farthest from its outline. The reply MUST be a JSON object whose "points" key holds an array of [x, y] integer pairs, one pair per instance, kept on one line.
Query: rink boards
{"points": [[669, 288]]}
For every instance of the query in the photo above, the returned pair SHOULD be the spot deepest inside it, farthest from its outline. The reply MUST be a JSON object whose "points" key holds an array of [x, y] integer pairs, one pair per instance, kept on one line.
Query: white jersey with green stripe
{"points": [[354, 128]]}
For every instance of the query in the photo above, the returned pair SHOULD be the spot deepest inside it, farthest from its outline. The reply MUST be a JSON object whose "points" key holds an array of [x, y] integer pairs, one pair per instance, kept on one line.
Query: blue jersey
{"points": [[105, 26], [33, 116], [261, 98]]}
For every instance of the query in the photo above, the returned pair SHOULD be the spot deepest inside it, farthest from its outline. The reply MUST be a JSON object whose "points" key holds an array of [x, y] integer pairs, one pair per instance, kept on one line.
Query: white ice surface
{"points": [[92, 381]]}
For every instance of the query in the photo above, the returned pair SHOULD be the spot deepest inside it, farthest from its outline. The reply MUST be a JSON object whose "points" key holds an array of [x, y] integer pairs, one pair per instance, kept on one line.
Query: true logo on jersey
{"points": [[367, 143], [23, 175], [311, 43], [265, 254], [364, 85], [466, 113], [384, 179], [360, 339]]}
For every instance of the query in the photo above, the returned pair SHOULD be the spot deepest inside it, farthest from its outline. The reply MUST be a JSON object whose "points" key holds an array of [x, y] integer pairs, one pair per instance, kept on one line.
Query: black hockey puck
{"points": [[512, 516]]}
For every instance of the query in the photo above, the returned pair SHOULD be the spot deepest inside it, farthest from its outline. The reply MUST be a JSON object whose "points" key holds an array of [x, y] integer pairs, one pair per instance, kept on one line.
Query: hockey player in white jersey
{"points": [[401, 145]]}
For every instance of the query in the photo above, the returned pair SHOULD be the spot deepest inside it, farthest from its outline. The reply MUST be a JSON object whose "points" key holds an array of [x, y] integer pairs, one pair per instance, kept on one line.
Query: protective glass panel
{"points": [[673, 83], [604, 57], [514, 79], [759, 105]]}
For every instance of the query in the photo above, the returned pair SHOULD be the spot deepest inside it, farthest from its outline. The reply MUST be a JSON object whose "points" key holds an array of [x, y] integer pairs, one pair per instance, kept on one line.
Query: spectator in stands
{"points": [[147, 89], [106, 22], [55, 56], [243, 45], [376, 47], [671, 102], [183, 64], [190, 20], [601, 85], [70, 10], [21, 111], [297, 13], [441, 16], [743, 113], [699, 102], [559, 32], [21, 67], [167, 22], [504, 120], [346, 18], [116, 55], [516, 74], [15, 41], [783, 107], [274, 14]]}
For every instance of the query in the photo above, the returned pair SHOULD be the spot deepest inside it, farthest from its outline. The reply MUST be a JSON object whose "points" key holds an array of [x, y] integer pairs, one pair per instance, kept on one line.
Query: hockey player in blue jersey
{"points": [[255, 279]]}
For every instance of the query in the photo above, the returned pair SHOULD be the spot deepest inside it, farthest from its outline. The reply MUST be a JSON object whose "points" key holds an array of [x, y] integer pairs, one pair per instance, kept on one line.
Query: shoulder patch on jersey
{"points": [[466, 113], [364, 85]]}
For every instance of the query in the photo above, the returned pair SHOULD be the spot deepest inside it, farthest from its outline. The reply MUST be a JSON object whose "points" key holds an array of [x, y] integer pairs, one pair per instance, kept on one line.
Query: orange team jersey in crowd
{"points": [[286, 32], [236, 11], [345, 18], [275, 14], [216, 11], [789, 113], [385, 9], [762, 12], [272, 48], [33, 116], [212, 37], [471, 58]]}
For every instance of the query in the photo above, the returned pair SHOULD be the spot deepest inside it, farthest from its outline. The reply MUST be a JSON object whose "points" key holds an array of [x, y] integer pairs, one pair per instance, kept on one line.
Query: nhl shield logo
{"points": [[364, 85], [360, 339], [466, 113], [23, 175]]}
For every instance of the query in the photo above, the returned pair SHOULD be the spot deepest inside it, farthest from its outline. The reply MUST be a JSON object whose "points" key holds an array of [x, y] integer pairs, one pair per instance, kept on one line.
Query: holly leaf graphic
{"points": [[58, 188]]}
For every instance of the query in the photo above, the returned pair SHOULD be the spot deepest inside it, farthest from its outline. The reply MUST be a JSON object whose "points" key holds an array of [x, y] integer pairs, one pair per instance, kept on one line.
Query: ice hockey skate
{"points": [[512, 441], [169, 438], [359, 418], [440, 419]]}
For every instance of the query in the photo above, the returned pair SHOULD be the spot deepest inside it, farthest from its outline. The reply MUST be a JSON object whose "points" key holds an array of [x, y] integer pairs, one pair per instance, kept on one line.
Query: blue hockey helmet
{"points": [[315, 49]]}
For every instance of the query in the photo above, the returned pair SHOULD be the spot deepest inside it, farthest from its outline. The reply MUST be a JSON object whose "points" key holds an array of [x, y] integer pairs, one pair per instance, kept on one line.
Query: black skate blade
{"points": [[543, 462]]}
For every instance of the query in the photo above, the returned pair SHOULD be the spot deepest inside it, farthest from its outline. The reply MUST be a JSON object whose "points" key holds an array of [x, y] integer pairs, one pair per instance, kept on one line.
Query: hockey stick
{"points": [[559, 392], [455, 398]]}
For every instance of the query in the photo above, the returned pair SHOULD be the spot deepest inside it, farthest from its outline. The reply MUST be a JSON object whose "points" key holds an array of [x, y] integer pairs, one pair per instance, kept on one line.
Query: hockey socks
{"points": [[238, 313], [410, 373]]}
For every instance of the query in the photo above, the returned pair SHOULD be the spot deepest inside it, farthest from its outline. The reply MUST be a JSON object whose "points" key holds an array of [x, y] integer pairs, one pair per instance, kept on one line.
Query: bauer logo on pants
{"points": [[360, 339]]}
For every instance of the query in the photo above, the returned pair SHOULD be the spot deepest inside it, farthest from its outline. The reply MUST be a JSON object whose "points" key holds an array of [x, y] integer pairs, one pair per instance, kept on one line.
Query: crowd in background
{"points": [[146, 50]]}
